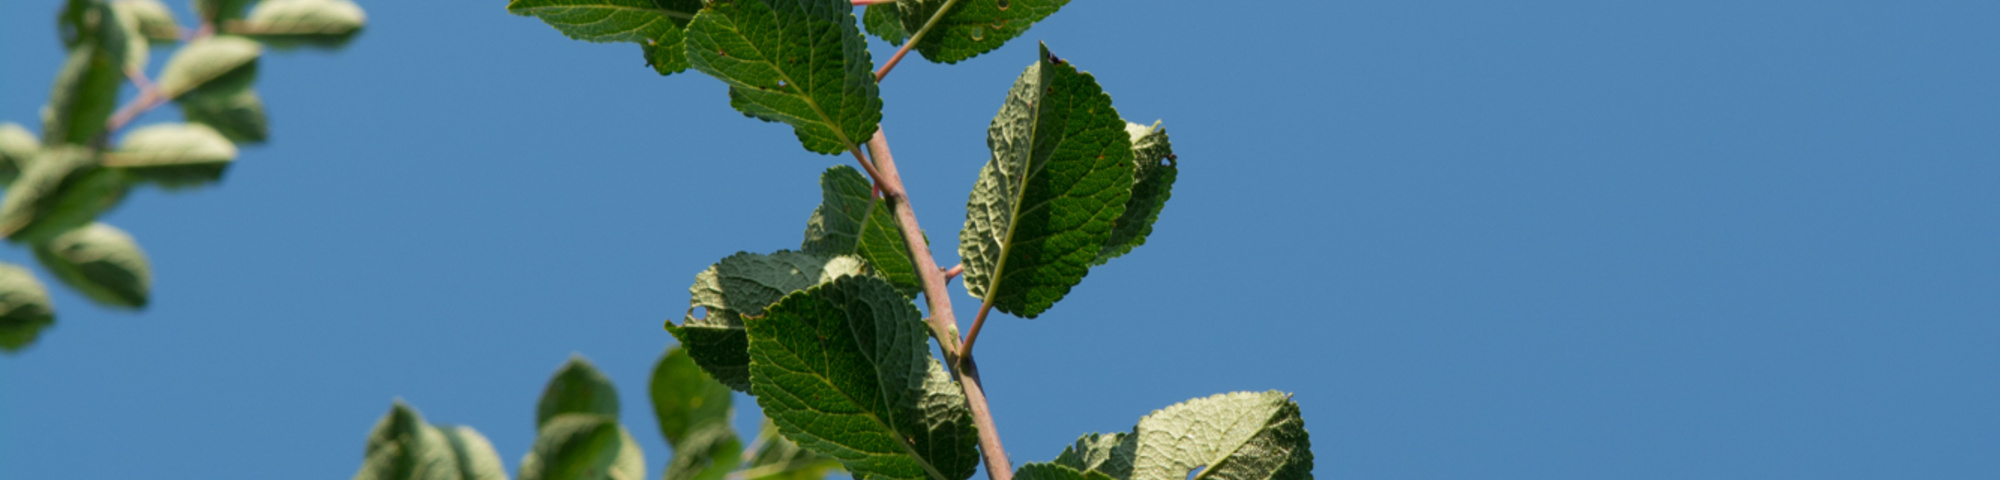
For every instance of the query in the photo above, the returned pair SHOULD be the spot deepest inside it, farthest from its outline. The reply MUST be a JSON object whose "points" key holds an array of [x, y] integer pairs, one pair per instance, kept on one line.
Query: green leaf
{"points": [[102, 262], [780, 459], [577, 387], [844, 369], [288, 23], [801, 62], [215, 64], [403, 447], [656, 25], [63, 188], [972, 27], [885, 21], [850, 220], [156, 22], [474, 456], [17, 147], [707, 453], [1233, 436], [237, 114], [686, 399], [24, 308], [173, 155], [84, 94], [740, 285], [1154, 167], [1053, 471], [1043, 207], [582, 446], [1110, 454], [220, 11]]}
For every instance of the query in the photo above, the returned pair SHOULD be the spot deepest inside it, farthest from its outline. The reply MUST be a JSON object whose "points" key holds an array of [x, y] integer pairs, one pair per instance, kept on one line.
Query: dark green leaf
{"points": [[403, 447], [1111, 454], [474, 456], [64, 188], [850, 220], [1052, 471], [686, 399], [1154, 167], [1233, 436], [102, 262], [972, 27], [844, 369], [801, 62], [237, 114], [219, 64], [577, 387], [582, 446], [220, 11], [24, 308], [17, 147], [738, 286], [885, 20], [655, 25], [1043, 207], [289, 23], [84, 94]]}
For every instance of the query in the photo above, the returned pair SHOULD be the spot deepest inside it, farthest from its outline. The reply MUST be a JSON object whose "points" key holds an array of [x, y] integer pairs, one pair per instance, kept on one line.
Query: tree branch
{"points": [[943, 325]]}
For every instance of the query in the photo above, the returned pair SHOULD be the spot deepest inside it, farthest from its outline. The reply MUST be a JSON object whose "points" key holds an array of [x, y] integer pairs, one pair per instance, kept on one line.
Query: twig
{"points": [[943, 325], [953, 272], [900, 52], [149, 94], [978, 321]]}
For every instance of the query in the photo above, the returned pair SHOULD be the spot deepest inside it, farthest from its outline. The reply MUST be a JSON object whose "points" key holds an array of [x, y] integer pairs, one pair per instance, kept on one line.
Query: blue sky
{"points": [[1539, 239]]}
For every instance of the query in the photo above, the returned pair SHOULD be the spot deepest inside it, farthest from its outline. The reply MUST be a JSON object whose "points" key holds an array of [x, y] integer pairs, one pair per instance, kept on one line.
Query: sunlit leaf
{"points": [[18, 146], [740, 285], [1043, 207], [221, 63], [1154, 167], [1232, 436], [404, 447], [851, 220], [288, 23], [102, 262], [475, 456], [1110, 454], [155, 21], [64, 188], [582, 446], [577, 387]]}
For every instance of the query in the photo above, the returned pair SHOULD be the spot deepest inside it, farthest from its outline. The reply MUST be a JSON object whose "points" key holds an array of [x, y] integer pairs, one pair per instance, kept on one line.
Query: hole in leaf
{"points": [[978, 33], [1004, 4], [1196, 472], [699, 313]]}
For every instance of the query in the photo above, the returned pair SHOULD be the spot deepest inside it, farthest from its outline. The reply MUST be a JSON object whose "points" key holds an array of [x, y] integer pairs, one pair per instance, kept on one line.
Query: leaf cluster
{"points": [[78, 168]]}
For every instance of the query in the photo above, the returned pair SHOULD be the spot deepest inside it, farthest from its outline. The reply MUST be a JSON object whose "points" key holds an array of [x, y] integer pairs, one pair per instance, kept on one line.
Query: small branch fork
{"points": [[149, 94]]}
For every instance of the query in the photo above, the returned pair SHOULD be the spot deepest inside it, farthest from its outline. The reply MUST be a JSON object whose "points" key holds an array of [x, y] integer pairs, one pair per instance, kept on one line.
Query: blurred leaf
{"points": [[972, 27], [742, 284], [84, 94], [238, 114], [1234, 436], [102, 262], [656, 25], [1111, 454], [884, 20], [686, 399], [71, 24], [582, 446], [289, 23], [844, 369], [17, 147], [801, 62], [220, 11], [780, 459], [403, 447], [1052, 471], [24, 308], [474, 456], [577, 387], [708, 452], [1043, 207], [62, 189], [156, 22], [1154, 167], [173, 155], [215, 64], [850, 220]]}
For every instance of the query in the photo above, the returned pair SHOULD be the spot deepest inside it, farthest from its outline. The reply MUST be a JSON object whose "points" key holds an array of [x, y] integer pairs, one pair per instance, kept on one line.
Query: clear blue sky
{"points": [[1537, 239]]}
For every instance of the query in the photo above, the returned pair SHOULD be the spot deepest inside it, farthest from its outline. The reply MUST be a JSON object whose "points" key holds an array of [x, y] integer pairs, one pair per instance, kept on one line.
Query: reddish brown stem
{"points": [[973, 335], [942, 323], [953, 272]]}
